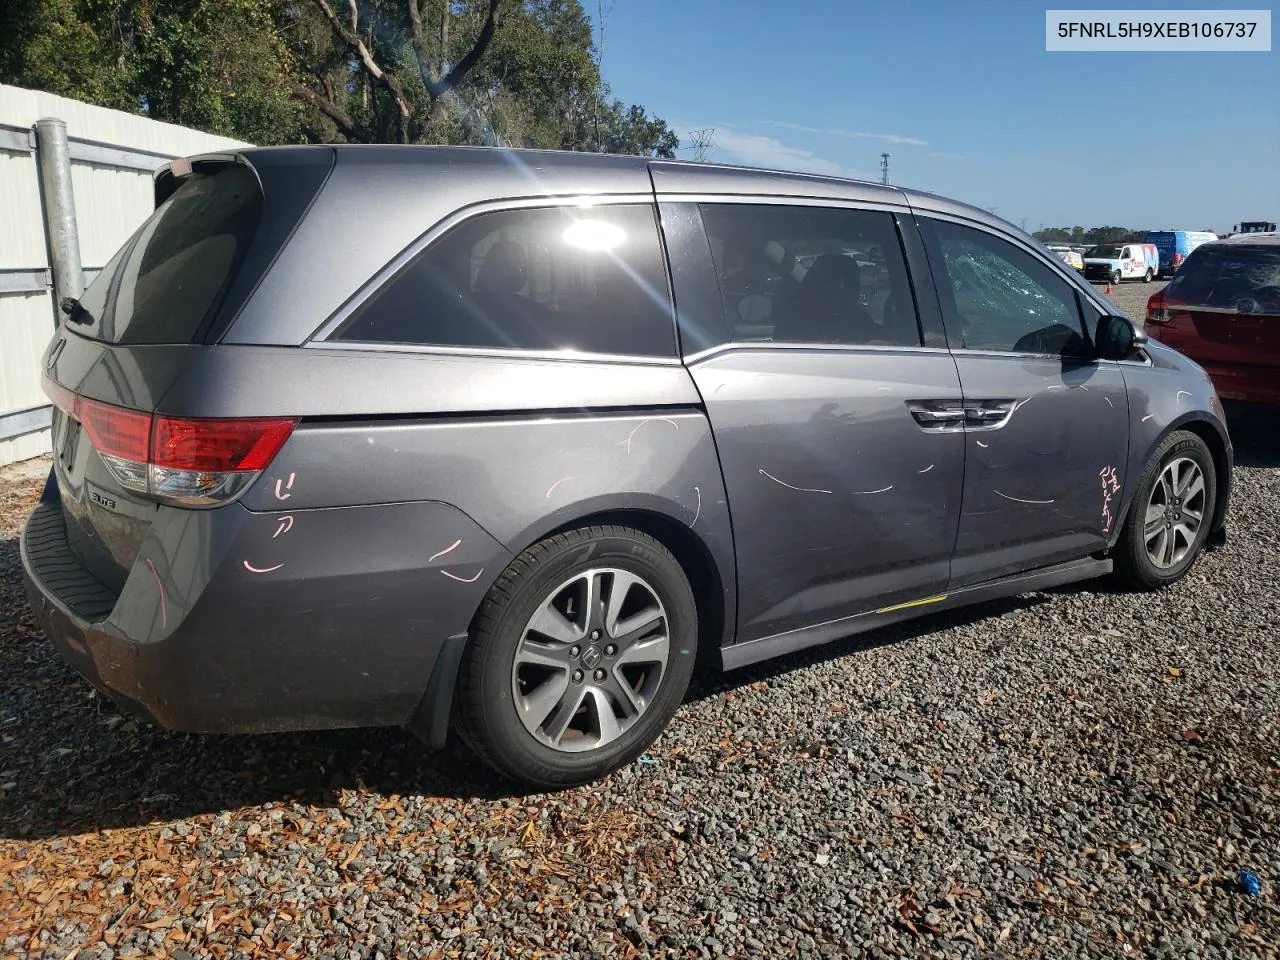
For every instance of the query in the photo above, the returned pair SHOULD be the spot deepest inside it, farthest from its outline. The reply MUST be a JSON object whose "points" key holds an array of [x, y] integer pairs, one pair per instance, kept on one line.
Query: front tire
{"points": [[1170, 517], [579, 656]]}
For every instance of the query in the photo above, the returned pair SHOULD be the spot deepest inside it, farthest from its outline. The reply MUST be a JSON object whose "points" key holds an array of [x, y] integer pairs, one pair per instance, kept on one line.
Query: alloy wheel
{"points": [[1175, 512], [590, 659]]}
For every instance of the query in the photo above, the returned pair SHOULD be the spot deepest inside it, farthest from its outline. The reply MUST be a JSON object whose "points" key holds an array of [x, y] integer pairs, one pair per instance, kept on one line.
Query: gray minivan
{"points": [[503, 440]]}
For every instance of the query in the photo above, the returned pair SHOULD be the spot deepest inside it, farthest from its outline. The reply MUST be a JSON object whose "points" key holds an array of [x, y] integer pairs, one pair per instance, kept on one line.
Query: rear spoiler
{"points": [[169, 177]]}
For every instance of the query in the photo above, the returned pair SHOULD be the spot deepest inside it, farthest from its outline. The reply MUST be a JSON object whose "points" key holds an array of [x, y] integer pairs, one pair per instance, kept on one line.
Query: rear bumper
{"points": [[342, 627]]}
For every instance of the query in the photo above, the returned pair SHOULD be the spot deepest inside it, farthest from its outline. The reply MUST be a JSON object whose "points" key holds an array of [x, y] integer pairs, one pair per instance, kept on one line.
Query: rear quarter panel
{"points": [[607, 438]]}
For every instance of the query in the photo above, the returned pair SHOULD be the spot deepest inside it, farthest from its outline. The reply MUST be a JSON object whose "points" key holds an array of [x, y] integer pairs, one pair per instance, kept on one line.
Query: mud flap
{"points": [[430, 721]]}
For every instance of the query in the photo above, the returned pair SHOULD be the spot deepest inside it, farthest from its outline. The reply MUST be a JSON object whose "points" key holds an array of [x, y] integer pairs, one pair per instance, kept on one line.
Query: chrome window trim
{"points": [[740, 346], [783, 201], [1013, 354], [462, 214], [498, 353]]}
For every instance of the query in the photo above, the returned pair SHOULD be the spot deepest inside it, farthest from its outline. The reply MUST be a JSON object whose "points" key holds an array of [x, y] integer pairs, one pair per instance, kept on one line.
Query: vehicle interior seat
{"points": [[826, 308]]}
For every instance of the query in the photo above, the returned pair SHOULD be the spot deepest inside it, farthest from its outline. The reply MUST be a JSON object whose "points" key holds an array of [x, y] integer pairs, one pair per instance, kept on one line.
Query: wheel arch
{"points": [[713, 591], [1215, 438], [692, 553]]}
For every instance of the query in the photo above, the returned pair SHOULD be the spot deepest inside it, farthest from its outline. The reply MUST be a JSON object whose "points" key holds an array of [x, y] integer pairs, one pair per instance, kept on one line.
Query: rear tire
{"points": [[1115, 278], [1148, 276], [1171, 514], [558, 690]]}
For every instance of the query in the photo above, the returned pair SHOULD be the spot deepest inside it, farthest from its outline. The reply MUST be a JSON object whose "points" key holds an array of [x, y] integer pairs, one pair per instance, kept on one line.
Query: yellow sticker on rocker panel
{"points": [[913, 603]]}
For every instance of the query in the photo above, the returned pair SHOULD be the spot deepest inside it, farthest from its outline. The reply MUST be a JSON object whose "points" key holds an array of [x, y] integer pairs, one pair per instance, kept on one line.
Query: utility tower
{"points": [[884, 168], [702, 142]]}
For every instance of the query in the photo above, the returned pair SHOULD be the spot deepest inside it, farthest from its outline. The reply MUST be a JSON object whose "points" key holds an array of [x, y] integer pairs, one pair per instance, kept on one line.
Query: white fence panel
{"points": [[113, 155]]}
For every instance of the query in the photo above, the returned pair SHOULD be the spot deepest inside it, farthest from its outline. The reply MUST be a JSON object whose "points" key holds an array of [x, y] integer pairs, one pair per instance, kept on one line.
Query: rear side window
{"points": [[1223, 276], [589, 279], [167, 282], [801, 274]]}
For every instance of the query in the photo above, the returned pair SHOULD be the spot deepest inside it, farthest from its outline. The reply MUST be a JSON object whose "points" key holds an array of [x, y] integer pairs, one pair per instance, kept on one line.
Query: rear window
{"points": [[589, 279], [166, 283], [1223, 276]]}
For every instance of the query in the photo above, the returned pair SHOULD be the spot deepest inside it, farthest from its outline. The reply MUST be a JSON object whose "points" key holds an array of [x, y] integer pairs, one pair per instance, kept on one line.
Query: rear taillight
{"points": [[191, 462], [1177, 260], [1156, 312]]}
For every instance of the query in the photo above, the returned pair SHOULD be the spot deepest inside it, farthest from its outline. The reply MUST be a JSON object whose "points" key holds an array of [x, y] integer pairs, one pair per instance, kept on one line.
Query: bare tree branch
{"points": [[343, 120], [352, 40], [472, 57], [419, 47], [439, 86], [444, 33]]}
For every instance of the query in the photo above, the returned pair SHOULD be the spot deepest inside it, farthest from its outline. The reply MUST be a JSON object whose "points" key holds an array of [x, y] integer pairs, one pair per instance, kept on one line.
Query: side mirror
{"points": [[1117, 338]]}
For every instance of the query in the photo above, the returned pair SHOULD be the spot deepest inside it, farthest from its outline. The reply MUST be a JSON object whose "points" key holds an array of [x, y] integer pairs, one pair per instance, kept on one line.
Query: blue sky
{"points": [[968, 103]]}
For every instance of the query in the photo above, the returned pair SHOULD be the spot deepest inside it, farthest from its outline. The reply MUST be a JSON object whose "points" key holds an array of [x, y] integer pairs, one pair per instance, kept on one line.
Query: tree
{"points": [[202, 63], [520, 72], [1093, 236]]}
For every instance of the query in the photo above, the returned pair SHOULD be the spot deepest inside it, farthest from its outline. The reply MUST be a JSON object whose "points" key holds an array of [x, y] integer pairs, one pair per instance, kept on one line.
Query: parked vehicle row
{"points": [[1175, 246], [517, 445], [1159, 255], [1069, 256], [1114, 262]]}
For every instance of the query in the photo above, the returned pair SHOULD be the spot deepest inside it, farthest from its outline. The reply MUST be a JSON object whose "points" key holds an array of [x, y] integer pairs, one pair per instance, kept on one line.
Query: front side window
{"points": [[796, 274], [998, 297], [588, 279]]}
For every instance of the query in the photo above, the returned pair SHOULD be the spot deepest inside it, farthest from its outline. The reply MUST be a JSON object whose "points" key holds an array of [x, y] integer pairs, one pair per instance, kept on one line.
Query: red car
{"points": [[1222, 309]]}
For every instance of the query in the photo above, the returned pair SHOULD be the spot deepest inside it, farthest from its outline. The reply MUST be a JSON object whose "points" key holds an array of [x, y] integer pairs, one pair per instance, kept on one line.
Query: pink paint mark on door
{"points": [[789, 486], [252, 569], [1021, 499]]}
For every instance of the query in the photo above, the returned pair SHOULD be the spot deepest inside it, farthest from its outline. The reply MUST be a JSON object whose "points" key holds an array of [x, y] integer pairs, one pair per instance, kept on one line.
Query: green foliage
{"points": [[64, 47], [1092, 236], [290, 71]]}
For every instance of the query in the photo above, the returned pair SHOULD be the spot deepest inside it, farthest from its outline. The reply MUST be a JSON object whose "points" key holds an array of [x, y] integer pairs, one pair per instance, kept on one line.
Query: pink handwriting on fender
{"points": [[1110, 486]]}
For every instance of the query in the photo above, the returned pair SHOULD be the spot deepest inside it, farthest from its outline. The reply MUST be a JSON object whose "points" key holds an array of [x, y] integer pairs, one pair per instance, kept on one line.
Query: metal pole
{"points": [[54, 159]]}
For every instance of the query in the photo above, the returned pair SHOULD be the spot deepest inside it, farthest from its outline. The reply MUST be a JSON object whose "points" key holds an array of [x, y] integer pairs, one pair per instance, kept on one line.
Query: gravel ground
{"points": [[1078, 773], [1131, 297]]}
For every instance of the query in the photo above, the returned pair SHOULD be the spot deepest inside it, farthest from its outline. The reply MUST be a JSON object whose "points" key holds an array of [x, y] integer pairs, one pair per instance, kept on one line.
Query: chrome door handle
{"points": [[989, 414], [939, 416]]}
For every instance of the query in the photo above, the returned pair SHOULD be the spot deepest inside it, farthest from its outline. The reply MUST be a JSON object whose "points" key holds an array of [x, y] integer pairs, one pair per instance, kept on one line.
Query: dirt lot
{"points": [[1077, 773], [1131, 296]]}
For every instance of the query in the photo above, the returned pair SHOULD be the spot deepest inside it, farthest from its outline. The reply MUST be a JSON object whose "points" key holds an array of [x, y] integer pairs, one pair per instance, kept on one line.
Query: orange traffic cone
{"points": [[1107, 292]]}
